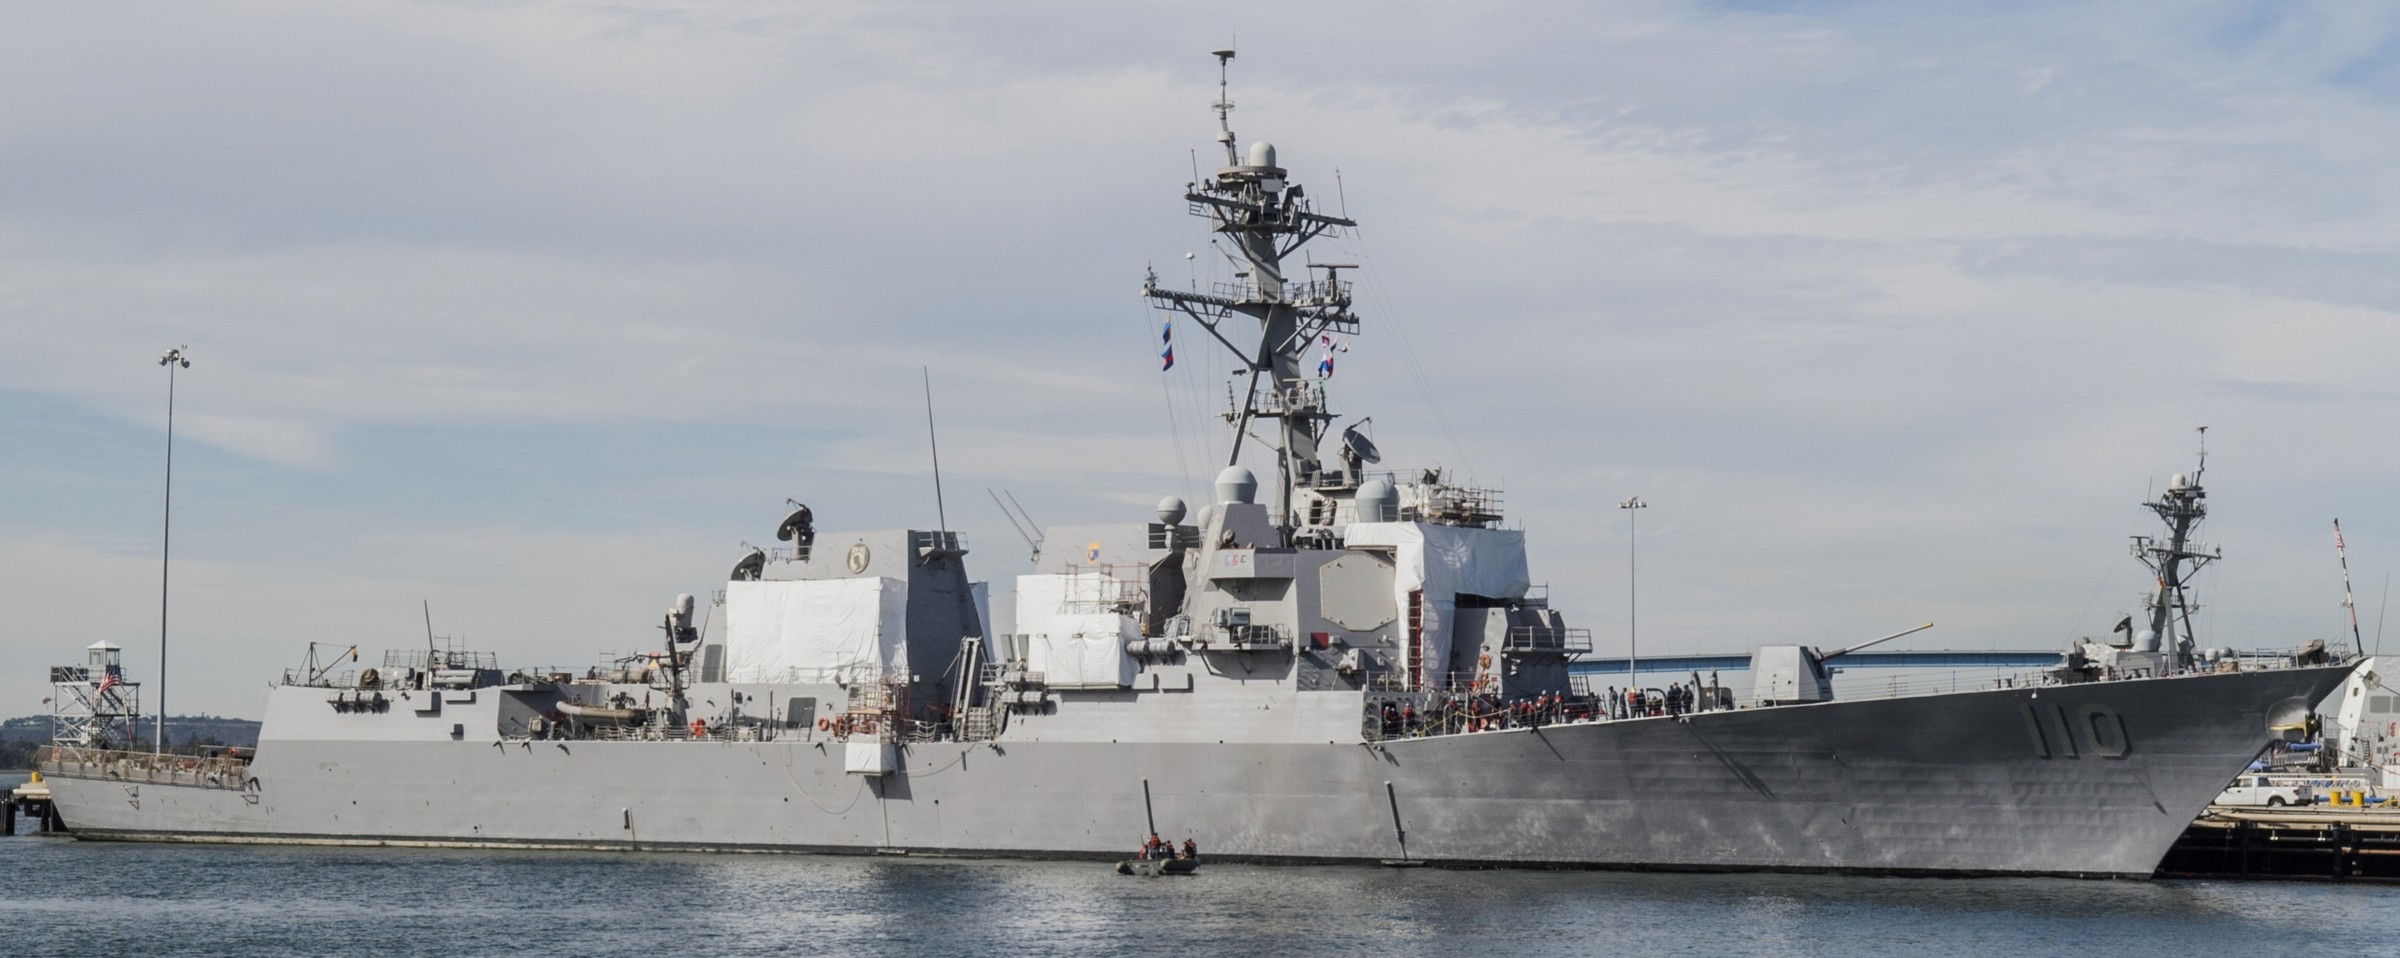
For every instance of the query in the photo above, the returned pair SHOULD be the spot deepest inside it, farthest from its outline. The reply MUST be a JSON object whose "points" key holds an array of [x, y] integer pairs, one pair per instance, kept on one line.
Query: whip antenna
{"points": [[935, 443], [1032, 539], [2380, 609], [2342, 552]]}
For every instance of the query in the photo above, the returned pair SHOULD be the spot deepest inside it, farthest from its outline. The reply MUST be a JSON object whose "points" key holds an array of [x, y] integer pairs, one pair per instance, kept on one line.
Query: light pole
{"points": [[173, 360], [1633, 648]]}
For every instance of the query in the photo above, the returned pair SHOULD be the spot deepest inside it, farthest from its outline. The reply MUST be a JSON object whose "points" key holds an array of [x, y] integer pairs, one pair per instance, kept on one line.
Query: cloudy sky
{"points": [[538, 311]]}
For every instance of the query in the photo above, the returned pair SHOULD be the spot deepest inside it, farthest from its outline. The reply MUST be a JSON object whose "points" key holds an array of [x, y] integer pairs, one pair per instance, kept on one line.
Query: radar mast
{"points": [[2175, 559], [1266, 218]]}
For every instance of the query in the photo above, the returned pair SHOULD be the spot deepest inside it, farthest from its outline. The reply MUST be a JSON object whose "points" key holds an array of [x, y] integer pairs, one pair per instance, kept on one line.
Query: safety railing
{"points": [[1535, 638], [1242, 638], [1318, 293], [1469, 706], [228, 769]]}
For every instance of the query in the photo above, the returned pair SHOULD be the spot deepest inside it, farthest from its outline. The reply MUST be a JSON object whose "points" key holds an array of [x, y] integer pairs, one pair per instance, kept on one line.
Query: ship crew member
{"points": [[1191, 849]]}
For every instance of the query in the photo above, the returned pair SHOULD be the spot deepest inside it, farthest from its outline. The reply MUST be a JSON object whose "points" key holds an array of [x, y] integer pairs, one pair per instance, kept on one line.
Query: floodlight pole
{"points": [[1633, 648], [173, 360]]}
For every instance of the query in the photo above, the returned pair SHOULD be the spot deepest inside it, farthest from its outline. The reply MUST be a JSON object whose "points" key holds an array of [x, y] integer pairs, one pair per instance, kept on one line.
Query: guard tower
{"points": [[91, 705]]}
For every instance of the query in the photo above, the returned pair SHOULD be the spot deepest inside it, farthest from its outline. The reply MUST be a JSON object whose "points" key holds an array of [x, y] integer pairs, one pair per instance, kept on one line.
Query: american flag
{"points": [[111, 680]]}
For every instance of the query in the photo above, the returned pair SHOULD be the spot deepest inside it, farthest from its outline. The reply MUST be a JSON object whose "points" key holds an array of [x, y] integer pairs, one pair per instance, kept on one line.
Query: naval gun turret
{"points": [[1798, 674]]}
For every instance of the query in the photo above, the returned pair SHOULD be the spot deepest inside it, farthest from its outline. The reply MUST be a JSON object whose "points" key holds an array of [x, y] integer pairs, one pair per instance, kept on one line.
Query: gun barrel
{"points": [[1863, 645]]}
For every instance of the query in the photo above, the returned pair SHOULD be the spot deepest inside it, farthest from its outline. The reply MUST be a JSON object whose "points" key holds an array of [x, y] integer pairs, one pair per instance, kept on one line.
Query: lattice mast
{"points": [[1266, 218], [2176, 559]]}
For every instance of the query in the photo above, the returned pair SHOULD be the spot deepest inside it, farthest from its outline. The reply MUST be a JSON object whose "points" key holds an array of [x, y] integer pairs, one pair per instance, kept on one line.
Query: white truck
{"points": [[2271, 791]]}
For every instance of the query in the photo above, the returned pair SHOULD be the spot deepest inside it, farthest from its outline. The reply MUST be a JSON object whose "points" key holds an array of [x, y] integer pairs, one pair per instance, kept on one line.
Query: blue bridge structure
{"points": [[1905, 659]]}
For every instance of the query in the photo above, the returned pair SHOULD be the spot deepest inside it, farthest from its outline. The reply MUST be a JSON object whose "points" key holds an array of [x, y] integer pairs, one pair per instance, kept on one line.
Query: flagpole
{"points": [[1633, 648]]}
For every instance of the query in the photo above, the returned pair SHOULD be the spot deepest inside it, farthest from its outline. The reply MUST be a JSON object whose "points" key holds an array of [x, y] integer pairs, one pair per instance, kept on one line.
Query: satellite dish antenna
{"points": [[799, 529], [751, 568], [1358, 446]]}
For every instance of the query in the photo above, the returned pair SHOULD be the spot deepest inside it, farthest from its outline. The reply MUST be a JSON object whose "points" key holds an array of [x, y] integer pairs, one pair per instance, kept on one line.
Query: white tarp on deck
{"points": [[1073, 639], [1445, 562], [815, 630]]}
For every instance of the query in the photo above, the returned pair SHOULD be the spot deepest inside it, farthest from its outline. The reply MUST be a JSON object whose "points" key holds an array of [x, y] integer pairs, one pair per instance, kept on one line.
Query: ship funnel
{"points": [[1236, 484]]}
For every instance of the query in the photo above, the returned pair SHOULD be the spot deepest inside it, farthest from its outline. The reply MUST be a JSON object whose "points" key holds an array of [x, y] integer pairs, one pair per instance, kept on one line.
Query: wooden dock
{"points": [[2303, 844]]}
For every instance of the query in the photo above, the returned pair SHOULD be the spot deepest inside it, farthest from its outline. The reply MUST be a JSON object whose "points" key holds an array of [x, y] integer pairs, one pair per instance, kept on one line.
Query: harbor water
{"points": [[62, 897]]}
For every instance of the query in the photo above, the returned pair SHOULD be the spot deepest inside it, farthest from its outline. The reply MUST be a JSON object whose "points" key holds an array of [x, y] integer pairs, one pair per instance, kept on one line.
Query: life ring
{"points": [[699, 727], [824, 724]]}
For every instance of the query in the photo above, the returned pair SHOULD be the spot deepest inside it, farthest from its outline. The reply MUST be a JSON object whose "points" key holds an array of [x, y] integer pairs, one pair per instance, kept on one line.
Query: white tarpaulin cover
{"points": [[815, 630], [1446, 562], [1070, 643]]}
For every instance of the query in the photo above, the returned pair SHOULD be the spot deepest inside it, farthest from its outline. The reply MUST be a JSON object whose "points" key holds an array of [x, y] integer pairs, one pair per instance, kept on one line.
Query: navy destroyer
{"points": [[1348, 665]]}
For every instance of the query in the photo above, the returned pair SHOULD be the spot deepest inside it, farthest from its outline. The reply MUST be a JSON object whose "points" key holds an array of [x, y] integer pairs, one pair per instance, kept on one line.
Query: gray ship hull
{"points": [[2083, 780]]}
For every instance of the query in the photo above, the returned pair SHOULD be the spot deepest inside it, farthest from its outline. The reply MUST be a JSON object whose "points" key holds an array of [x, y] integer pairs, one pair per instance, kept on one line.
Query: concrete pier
{"points": [[31, 799]]}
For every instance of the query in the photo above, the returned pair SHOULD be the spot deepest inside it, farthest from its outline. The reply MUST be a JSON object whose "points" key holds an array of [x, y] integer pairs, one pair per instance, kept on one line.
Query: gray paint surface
{"points": [[1947, 783]]}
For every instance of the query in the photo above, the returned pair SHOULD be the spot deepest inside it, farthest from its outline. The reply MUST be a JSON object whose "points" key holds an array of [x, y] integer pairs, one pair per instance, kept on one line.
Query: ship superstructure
{"points": [[1350, 666]]}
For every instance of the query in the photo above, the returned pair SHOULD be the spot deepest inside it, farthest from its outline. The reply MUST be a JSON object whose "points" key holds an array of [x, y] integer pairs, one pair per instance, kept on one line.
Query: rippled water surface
{"points": [[61, 897]]}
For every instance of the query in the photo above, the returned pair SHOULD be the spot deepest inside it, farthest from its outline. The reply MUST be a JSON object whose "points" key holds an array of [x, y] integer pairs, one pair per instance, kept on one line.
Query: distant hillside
{"points": [[20, 736]]}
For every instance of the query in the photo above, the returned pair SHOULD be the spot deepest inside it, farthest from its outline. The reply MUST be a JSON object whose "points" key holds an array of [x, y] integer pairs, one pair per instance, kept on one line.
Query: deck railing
{"points": [[226, 770], [1535, 638]]}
